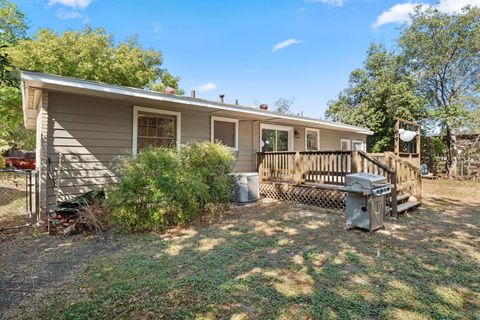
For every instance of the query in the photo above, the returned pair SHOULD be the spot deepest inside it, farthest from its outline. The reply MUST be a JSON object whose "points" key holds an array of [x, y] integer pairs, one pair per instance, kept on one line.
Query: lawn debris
{"points": [[84, 213]]}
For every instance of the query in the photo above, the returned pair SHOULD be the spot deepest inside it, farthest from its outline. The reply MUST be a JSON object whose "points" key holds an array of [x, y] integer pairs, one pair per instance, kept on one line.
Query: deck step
{"points": [[402, 197], [408, 205]]}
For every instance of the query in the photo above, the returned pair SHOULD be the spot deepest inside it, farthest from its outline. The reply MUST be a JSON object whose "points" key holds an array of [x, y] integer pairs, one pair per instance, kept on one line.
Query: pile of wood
{"points": [[85, 213], [89, 219]]}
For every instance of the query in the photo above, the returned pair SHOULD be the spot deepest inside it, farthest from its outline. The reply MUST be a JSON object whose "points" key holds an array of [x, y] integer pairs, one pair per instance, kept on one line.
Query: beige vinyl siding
{"points": [[299, 142], [330, 139], [245, 154], [92, 133], [89, 134]]}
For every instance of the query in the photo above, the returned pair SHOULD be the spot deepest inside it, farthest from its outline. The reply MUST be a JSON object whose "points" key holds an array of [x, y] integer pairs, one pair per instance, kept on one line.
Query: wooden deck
{"points": [[318, 177]]}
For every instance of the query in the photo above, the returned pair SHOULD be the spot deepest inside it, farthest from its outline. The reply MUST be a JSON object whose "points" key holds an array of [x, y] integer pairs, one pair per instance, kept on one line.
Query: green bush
{"points": [[211, 162], [163, 186]]}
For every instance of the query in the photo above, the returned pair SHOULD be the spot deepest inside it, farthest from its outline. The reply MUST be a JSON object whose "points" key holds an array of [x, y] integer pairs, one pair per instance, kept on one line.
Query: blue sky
{"points": [[253, 51]]}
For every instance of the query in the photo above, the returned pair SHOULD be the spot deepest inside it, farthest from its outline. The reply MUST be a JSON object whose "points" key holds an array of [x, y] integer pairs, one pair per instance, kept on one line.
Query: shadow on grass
{"points": [[289, 261]]}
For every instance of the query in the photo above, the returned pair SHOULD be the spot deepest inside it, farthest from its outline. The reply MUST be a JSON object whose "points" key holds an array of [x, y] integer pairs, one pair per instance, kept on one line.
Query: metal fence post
{"points": [[37, 197]]}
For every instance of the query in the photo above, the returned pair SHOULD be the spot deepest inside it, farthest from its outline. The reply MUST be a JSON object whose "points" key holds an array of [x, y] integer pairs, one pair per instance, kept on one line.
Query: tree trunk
{"points": [[452, 153]]}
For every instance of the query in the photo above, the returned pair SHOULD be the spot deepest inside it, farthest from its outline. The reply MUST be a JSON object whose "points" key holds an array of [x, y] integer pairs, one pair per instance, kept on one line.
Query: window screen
{"points": [[156, 130], [345, 144], [224, 132]]}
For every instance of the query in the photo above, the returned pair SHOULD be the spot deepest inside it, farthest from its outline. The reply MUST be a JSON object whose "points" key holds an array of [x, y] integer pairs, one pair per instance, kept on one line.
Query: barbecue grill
{"points": [[365, 200]]}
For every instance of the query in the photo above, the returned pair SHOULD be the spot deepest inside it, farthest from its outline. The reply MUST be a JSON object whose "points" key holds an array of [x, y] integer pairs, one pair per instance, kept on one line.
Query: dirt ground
{"points": [[35, 269], [31, 266]]}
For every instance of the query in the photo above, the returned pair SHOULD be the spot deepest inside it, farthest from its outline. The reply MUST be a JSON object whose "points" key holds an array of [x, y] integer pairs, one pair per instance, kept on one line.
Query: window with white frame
{"points": [[312, 139], [275, 138], [155, 128], [345, 144], [225, 130], [358, 145]]}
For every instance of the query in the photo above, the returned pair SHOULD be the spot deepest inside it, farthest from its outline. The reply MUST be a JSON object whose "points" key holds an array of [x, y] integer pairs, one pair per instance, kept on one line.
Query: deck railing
{"points": [[277, 166], [373, 163], [323, 167], [331, 167], [408, 176]]}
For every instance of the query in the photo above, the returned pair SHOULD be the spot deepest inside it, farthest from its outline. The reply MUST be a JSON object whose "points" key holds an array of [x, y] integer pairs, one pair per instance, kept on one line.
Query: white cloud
{"points": [[76, 4], [209, 86], [62, 14], [337, 3], [284, 44], [400, 13], [451, 6]]}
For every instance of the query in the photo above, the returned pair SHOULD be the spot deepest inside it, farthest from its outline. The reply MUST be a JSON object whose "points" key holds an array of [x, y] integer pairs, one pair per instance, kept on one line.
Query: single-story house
{"points": [[84, 126]]}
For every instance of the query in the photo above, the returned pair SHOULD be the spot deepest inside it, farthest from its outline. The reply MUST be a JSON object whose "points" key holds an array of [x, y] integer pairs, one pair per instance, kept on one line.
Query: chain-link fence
{"points": [[17, 198]]}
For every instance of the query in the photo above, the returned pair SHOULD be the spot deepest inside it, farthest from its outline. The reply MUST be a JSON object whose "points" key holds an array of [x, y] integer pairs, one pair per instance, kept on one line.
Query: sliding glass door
{"points": [[275, 138]]}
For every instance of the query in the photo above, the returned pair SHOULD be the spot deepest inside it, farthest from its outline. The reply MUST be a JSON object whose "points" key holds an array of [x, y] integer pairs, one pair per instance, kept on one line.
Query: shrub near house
{"points": [[165, 186]]}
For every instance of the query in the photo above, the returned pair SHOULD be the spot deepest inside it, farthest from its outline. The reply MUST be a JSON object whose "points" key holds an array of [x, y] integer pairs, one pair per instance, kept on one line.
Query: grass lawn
{"points": [[287, 261]]}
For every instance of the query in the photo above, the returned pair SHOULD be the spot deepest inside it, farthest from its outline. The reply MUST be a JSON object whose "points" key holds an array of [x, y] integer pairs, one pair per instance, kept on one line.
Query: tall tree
{"points": [[377, 93], [443, 51], [91, 54], [283, 105], [12, 23], [12, 29]]}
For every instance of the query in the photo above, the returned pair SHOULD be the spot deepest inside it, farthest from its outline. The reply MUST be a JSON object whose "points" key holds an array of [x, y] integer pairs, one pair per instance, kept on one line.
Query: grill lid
{"points": [[365, 181]]}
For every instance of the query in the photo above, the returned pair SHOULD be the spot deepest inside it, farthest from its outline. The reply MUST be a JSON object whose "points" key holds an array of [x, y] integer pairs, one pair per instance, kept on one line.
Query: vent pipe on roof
{"points": [[222, 96], [169, 90], [264, 106], [236, 102], [193, 94]]}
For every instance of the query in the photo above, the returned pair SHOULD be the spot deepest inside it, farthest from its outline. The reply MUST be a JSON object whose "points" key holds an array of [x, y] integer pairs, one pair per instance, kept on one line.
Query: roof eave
{"points": [[53, 80]]}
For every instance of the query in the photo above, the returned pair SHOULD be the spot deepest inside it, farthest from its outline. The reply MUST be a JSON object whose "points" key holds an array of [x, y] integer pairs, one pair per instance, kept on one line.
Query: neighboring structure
{"points": [[83, 127], [468, 162]]}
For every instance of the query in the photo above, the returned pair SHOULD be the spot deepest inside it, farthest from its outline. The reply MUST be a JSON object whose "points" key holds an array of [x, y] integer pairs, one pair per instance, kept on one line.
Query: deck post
{"points": [[418, 187], [297, 173], [397, 142], [393, 194], [356, 162], [260, 169]]}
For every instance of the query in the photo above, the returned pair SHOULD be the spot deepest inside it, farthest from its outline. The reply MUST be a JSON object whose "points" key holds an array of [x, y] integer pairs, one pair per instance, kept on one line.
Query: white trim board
{"points": [[318, 138], [136, 109], [223, 119], [280, 128]]}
